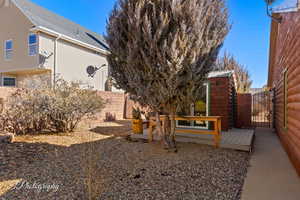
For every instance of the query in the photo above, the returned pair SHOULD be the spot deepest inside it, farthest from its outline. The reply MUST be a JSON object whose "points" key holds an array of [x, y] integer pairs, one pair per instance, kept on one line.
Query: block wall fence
{"points": [[115, 102], [235, 113]]}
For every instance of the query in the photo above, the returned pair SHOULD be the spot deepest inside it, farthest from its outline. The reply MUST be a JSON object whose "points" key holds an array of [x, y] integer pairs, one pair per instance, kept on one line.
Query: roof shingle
{"points": [[40, 16]]}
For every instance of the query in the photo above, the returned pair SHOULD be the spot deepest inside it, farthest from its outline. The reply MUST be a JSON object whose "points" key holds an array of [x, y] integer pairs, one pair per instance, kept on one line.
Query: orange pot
{"points": [[137, 126]]}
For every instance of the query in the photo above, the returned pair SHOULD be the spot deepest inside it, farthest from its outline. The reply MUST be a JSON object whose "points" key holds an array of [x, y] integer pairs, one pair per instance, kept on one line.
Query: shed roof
{"points": [[220, 74], [41, 17]]}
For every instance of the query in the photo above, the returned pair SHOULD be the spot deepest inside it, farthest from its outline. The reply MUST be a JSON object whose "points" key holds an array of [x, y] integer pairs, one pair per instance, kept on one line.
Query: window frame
{"points": [[207, 85], [8, 76], [33, 44], [8, 50]]}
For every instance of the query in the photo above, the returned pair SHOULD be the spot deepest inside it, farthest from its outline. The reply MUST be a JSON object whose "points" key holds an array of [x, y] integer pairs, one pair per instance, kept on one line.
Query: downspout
{"points": [[55, 59]]}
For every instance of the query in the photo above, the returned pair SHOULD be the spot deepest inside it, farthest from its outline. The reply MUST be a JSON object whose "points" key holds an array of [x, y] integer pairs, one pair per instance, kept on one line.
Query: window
{"points": [[32, 44], [199, 108], [285, 96], [9, 81], [8, 49]]}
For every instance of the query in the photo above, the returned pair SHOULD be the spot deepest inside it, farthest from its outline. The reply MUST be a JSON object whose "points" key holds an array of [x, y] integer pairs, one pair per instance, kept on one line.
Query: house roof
{"points": [[42, 17], [286, 6], [256, 90], [220, 74]]}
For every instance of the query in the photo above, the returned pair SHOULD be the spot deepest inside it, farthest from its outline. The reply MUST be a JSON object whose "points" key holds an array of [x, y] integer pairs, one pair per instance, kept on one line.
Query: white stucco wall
{"points": [[72, 62]]}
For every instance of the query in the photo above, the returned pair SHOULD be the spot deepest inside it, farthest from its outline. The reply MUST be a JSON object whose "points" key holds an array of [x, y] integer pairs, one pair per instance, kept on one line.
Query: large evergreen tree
{"points": [[162, 50]]}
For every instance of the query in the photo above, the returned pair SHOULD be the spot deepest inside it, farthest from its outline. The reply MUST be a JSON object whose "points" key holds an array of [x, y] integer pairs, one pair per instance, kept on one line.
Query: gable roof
{"points": [[42, 17]]}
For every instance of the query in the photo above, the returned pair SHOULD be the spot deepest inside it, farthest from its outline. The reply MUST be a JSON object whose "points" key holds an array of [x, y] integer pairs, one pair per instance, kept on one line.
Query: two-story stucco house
{"points": [[36, 42]]}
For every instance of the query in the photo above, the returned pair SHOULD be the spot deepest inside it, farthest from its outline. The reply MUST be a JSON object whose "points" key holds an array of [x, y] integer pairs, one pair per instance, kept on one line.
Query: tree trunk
{"points": [[161, 132], [172, 132], [167, 131]]}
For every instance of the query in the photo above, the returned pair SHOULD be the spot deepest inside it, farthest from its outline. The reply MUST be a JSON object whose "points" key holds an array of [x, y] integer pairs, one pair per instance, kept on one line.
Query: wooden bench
{"points": [[216, 132]]}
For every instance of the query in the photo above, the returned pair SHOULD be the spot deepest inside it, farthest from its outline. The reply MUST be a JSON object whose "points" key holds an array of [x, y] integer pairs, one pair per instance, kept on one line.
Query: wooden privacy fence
{"points": [[216, 130]]}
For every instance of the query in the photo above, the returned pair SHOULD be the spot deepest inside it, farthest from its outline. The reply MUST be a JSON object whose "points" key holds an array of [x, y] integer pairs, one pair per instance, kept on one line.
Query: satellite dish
{"points": [[91, 70]]}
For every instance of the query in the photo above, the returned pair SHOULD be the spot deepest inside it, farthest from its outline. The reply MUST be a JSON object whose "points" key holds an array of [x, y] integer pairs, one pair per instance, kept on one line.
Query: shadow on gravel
{"points": [[118, 128], [114, 168], [45, 171]]}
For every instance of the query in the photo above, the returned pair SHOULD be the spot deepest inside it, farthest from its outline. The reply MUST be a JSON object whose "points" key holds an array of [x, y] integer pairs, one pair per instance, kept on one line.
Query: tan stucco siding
{"points": [[16, 27], [72, 61], [46, 49]]}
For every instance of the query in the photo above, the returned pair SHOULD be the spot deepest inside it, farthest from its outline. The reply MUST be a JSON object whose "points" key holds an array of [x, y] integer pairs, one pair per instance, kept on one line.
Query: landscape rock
{"points": [[95, 165], [7, 138]]}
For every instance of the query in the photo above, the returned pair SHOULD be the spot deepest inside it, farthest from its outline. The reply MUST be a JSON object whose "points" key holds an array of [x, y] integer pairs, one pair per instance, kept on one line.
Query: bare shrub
{"points": [[46, 109], [243, 78]]}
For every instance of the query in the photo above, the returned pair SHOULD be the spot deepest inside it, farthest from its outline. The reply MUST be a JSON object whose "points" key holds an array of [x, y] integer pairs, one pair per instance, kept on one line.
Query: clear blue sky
{"points": [[248, 40]]}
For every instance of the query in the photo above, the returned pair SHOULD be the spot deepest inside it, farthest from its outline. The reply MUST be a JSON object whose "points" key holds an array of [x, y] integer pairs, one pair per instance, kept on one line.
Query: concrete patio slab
{"points": [[238, 139], [271, 175]]}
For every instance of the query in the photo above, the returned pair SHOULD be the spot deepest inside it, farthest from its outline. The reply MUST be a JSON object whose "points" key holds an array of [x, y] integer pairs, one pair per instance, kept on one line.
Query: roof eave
{"points": [[295, 9], [69, 39], [285, 7], [272, 49]]}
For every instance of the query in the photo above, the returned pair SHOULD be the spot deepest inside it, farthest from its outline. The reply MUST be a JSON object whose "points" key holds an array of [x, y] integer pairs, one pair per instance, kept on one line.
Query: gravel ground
{"points": [[103, 164]]}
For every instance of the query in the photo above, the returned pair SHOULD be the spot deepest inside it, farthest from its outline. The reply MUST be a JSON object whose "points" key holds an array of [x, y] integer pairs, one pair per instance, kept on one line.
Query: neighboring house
{"points": [[256, 90], [35, 42], [284, 76]]}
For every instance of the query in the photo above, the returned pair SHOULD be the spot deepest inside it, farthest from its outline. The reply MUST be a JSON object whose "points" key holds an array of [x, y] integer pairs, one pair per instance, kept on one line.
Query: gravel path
{"points": [[102, 164]]}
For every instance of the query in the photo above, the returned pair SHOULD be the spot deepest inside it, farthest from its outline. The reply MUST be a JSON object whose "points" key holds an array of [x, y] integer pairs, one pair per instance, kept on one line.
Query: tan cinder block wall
{"points": [[115, 104]]}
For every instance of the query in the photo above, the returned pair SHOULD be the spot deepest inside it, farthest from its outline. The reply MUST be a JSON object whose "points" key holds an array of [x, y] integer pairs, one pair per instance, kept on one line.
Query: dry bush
{"points": [[46, 109], [243, 78]]}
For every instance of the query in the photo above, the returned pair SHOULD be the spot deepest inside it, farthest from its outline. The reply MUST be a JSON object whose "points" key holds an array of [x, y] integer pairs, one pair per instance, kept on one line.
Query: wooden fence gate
{"points": [[262, 109]]}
